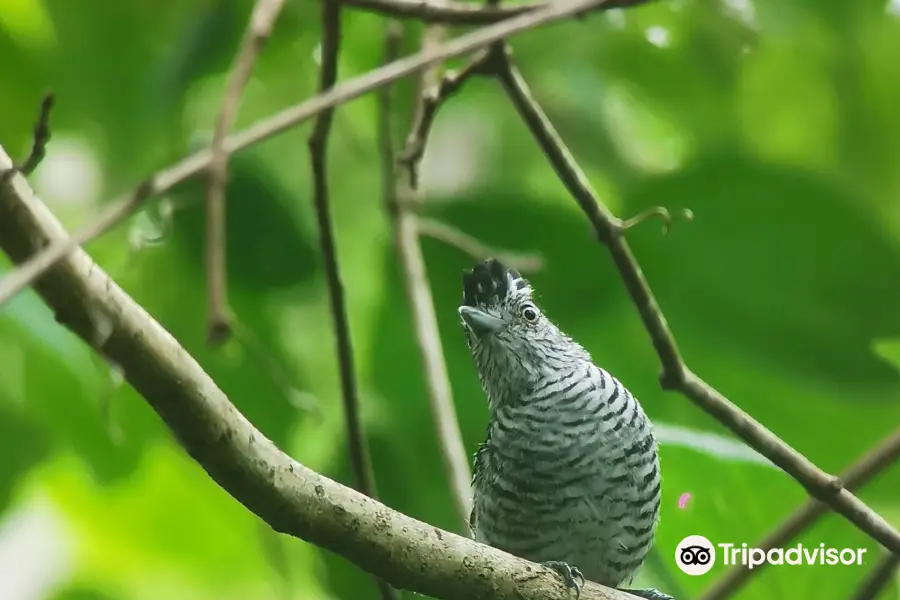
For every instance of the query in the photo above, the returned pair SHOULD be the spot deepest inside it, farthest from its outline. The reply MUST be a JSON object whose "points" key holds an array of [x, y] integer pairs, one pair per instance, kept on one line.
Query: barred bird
{"points": [[569, 473]]}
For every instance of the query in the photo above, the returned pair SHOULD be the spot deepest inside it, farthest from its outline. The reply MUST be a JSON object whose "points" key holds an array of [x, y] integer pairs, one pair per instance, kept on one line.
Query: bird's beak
{"points": [[480, 322]]}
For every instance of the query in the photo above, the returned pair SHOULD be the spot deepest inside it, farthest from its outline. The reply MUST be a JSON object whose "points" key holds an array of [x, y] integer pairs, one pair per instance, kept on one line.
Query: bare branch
{"points": [[41, 137], [523, 262], [440, 395], [418, 290], [263, 18], [38, 143], [676, 375], [448, 13], [393, 35], [46, 257], [318, 152], [879, 578], [196, 163], [660, 212], [876, 460], [290, 497], [455, 13], [431, 100], [423, 114]]}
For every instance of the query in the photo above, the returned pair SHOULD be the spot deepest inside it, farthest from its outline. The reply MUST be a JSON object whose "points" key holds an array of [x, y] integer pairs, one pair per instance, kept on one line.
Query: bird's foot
{"points": [[569, 574], [648, 594]]}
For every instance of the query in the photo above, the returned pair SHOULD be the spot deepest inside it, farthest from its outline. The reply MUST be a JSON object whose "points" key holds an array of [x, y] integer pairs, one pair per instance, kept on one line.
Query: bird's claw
{"points": [[648, 594], [569, 574]]}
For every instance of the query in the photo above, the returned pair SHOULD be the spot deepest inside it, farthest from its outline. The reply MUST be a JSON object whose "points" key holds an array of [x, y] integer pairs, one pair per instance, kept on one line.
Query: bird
{"points": [[568, 475]]}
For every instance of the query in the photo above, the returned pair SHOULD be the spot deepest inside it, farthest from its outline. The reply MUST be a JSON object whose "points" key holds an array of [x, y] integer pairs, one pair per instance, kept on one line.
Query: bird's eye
{"points": [[530, 314]]}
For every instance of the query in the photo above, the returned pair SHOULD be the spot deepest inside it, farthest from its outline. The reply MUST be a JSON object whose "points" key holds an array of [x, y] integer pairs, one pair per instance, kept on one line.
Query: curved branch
{"points": [[676, 375], [290, 497]]}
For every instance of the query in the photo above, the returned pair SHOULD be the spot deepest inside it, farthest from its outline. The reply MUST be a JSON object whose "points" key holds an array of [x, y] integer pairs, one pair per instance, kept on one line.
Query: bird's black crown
{"points": [[488, 283]]}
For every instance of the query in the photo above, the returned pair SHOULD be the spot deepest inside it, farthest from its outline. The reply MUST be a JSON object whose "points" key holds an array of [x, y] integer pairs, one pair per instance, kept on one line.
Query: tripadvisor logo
{"points": [[795, 555], [696, 555]]}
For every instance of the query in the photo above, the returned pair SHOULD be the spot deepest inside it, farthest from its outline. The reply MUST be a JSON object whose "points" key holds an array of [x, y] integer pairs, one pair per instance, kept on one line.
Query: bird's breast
{"points": [[570, 472]]}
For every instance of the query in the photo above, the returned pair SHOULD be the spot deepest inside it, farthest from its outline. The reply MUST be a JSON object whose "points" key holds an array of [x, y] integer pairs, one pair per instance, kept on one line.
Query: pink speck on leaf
{"points": [[683, 500]]}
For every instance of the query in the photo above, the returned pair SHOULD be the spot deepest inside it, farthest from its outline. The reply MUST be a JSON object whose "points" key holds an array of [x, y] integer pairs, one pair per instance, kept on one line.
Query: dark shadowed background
{"points": [[774, 121]]}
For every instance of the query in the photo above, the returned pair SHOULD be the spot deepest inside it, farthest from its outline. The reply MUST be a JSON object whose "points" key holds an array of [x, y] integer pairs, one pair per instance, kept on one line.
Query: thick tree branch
{"points": [[194, 164], [875, 461], [263, 18], [676, 375], [318, 152], [291, 498]]}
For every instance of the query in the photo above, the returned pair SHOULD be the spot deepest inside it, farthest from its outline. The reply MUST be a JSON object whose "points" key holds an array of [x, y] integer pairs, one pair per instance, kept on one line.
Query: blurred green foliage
{"points": [[774, 122]]}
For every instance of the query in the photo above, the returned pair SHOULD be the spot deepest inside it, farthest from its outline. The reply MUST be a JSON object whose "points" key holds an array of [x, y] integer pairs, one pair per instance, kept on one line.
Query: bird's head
{"points": [[497, 304], [508, 334]]}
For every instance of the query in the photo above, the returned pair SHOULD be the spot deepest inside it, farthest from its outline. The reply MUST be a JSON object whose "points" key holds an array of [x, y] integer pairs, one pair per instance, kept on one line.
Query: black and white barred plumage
{"points": [[569, 472]]}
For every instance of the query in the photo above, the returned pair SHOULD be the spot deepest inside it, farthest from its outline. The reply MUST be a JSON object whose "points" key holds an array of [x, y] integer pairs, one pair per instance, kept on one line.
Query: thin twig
{"points": [[198, 162], [524, 262], [318, 152], [405, 228], [291, 498], [452, 12], [660, 212], [860, 473], [35, 266], [393, 36], [41, 137], [424, 109], [265, 13], [440, 395], [449, 13], [39, 141], [676, 375], [879, 578], [433, 97]]}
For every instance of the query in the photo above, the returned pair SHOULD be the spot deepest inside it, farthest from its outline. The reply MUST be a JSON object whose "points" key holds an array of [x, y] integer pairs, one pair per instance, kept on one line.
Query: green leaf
{"points": [[267, 242], [24, 443], [209, 35], [889, 350], [70, 403], [82, 592], [169, 527]]}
